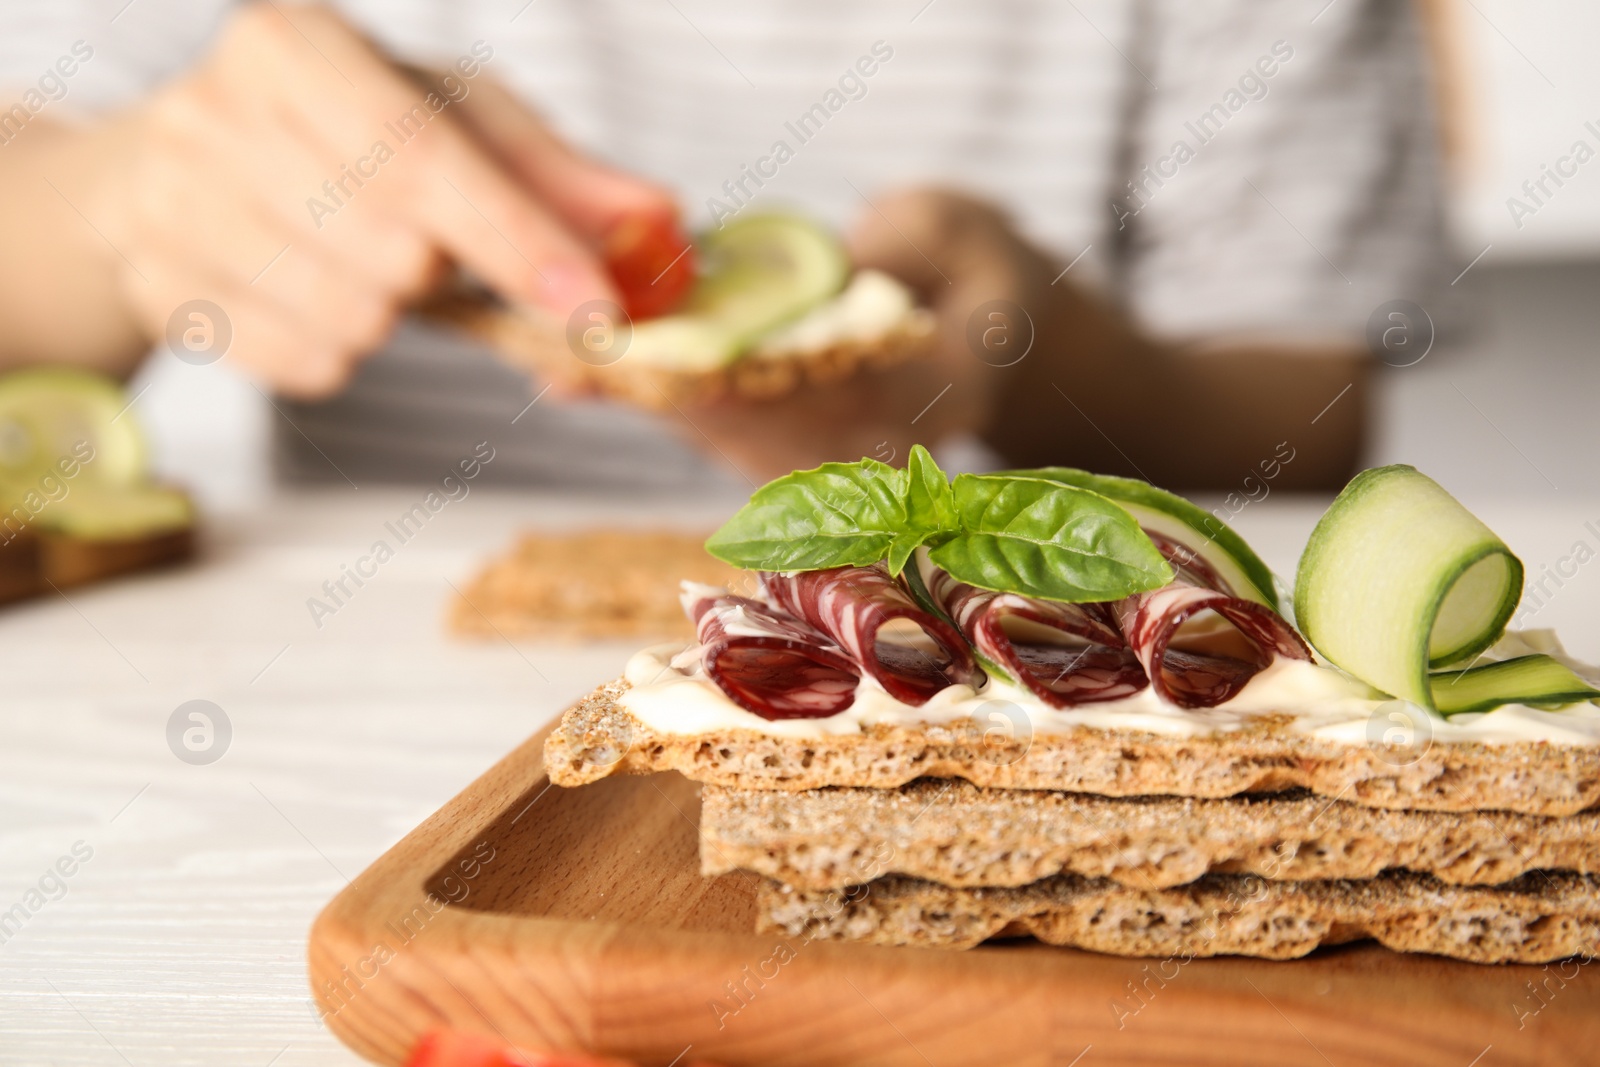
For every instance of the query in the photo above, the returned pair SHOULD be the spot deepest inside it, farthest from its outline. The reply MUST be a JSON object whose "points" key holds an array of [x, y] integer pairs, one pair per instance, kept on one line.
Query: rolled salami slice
{"points": [[767, 662], [911, 653], [1199, 644], [1065, 653]]}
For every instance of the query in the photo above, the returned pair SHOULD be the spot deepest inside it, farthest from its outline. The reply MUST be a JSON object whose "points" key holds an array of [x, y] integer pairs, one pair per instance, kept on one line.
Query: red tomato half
{"points": [[652, 263]]}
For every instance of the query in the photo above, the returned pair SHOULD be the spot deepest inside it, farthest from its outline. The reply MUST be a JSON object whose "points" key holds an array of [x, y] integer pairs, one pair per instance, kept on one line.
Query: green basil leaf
{"points": [[840, 514], [1047, 540], [930, 507], [900, 550], [930, 502]]}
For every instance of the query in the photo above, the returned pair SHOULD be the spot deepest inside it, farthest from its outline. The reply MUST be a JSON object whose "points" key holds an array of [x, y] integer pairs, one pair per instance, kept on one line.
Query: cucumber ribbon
{"points": [[1399, 579], [1192, 528]]}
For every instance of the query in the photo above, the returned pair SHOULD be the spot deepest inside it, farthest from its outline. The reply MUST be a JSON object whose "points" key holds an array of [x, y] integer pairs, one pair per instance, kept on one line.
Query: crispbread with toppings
{"points": [[598, 737], [952, 832], [533, 341]]}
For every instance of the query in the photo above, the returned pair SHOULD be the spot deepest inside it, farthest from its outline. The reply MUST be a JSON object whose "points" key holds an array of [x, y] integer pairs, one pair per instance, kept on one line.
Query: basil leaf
{"points": [[840, 514], [903, 547], [930, 502], [1047, 540], [930, 507]]}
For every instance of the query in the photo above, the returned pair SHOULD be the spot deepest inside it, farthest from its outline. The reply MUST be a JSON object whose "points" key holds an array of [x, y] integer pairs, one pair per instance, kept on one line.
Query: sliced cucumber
{"points": [[759, 273], [92, 512], [914, 577], [1536, 679], [56, 419], [682, 342], [1185, 522], [1398, 577]]}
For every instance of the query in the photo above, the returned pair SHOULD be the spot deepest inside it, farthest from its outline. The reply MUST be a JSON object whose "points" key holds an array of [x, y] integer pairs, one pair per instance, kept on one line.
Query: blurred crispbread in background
{"points": [[590, 584]]}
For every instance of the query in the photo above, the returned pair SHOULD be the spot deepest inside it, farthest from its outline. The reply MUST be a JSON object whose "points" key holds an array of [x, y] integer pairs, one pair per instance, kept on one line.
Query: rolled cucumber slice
{"points": [[913, 576], [1398, 577], [759, 273], [1185, 522], [55, 419], [1537, 679]]}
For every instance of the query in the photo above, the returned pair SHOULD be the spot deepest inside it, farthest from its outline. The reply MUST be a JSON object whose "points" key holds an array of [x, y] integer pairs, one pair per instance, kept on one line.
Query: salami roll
{"points": [[911, 653], [767, 662], [1198, 643], [1065, 653]]}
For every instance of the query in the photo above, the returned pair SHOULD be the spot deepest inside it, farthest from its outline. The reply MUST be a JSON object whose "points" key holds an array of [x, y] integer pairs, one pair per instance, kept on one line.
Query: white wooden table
{"points": [[181, 941]]}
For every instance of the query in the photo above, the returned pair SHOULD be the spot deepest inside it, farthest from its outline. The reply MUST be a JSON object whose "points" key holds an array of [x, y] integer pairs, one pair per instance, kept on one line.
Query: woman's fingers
{"points": [[206, 234], [251, 332], [371, 118], [593, 197], [319, 190], [290, 179], [937, 240]]}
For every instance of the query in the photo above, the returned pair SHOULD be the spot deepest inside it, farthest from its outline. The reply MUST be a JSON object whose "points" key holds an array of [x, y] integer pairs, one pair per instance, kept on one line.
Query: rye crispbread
{"points": [[1538, 918], [534, 341], [589, 584], [598, 737], [949, 831]]}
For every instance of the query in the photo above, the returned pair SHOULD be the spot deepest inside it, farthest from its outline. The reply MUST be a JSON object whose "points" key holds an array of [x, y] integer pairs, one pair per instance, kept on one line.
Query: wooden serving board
{"points": [[35, 564], [577, 920]]}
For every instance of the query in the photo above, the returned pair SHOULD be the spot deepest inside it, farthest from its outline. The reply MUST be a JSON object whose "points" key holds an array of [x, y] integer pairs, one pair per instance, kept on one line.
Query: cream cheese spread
{"points": [[1322, 701], [871, 306]]}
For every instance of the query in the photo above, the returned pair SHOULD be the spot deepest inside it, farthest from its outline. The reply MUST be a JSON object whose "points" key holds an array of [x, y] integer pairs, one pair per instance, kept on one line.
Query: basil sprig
{"points": [[1006, 532]]}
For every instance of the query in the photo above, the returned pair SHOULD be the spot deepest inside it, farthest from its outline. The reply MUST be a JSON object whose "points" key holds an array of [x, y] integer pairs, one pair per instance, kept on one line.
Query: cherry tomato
{"points": [[652, 263], [457, 1048]]}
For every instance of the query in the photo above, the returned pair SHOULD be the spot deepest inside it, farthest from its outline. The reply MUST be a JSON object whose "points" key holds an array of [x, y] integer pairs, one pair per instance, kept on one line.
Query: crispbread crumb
{"points": [[1538, 918]]}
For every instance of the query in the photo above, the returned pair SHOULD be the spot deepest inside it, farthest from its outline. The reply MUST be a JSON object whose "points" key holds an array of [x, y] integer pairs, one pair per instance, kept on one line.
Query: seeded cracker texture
{"points": [[533, 341], [598, 737], [957, 834], [1538, 918]]}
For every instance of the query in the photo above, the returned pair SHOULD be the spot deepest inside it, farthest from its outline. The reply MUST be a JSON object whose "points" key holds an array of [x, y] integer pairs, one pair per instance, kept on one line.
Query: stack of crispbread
{"points": [[1260, 841]]}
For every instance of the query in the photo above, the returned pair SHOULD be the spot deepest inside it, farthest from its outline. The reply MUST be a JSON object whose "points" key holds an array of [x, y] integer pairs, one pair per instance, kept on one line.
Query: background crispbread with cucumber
{"points": [[776, 305], [77, 500]]}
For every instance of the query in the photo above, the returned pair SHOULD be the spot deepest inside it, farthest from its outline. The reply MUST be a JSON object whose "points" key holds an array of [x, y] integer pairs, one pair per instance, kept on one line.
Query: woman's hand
{"points": [[1048, 372], [310, 189]]}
